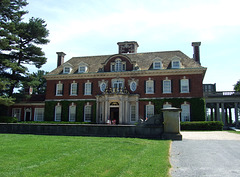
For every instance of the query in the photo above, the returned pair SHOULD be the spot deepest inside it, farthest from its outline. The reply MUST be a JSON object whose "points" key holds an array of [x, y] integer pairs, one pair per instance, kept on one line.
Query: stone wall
{"points": [[101, 130]]}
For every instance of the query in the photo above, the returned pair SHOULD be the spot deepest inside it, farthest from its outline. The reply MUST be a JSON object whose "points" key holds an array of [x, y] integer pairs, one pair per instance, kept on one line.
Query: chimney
{"points": [[60, 58], [196, 51], [127, 47]]}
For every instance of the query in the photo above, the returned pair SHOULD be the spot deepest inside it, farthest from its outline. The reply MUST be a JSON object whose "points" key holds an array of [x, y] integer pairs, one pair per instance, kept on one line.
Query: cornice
{"points": [[101, 75]]}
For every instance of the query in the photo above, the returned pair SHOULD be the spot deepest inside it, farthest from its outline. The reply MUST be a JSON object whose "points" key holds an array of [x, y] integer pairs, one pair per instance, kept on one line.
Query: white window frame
{"points": [[72, 113], [184, 85], [103, 86], [133, 114], [133, 88], [17, 114], [87, 113], [88, 88], [59, 89], [176, 64], [167, 86], [39, 112], [117, 83], [58, 115], [73, 90], [185, 115], [67, 68], [118, 65], [82, 68], [156, 63], [149, 87], [167, 105], [149, 110]]}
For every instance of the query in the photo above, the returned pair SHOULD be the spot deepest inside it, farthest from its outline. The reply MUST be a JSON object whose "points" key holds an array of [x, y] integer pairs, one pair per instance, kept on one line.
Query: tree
{"points": [[19, 43], [36, 81], [237, 86]]}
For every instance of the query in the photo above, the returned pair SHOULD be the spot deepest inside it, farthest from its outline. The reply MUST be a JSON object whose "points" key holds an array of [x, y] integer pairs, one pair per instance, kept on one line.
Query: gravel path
{"points": [[206, 154]]}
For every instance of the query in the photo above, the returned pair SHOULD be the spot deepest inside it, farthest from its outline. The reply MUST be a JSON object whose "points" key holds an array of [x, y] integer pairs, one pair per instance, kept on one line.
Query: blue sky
{"points": [[93, 27]]}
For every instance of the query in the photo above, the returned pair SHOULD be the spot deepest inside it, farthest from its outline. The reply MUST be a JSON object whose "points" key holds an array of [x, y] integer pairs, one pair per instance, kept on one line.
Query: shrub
{"points": [[7, 119], [202, 125]]}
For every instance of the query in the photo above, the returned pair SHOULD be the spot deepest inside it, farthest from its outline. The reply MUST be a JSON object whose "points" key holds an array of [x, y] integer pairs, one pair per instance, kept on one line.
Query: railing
{"points": [[223, 93]]}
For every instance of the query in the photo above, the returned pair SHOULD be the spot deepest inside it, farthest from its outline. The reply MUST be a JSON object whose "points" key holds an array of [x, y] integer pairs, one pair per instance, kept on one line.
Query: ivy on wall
{"points": [[197, 106], [50, 110]]}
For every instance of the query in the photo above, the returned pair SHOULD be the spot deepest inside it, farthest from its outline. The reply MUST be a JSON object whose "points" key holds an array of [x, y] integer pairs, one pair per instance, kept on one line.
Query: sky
{"points": [[93, 27]]}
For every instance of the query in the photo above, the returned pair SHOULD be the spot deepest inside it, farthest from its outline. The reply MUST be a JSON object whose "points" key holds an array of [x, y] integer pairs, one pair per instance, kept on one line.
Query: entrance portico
{"points": [[117, 106]]}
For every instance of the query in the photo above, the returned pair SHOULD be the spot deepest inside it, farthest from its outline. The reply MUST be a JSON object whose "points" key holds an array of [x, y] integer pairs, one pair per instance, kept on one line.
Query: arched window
{"points": [[185, 114], [72, 113], [58, 112], [82, 68], [88, 113], [118, 65]]}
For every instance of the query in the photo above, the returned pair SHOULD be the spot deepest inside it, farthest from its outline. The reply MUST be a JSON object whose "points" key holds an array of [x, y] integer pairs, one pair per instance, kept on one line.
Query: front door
{"points": [[114, 115], [28, 115]]}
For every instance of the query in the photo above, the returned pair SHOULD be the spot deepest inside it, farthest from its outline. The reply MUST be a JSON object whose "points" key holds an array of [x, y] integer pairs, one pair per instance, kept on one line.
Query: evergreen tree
{"points": [[237, 86], [19, 44]]}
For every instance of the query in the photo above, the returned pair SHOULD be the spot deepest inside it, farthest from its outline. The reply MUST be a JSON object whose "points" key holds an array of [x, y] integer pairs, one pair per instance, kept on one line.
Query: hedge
{"points": [[197, 106], [7, 119], [202, 125], [50, 110]]}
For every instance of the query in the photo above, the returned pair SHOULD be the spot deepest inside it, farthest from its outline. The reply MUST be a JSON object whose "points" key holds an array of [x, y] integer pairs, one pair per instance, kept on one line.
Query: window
{"points": [[58, 112], [66, 70], [184, 86], [149, 110], [16, 112], [133, 113], [157, 64], [167, 86], [39, 114], [149, 86], [82, 68], [167, 105], [72, 113], [118, 65], [103, 86], [133, 86], [88, 88], [87, 113], [185, 114], [175, 64], [117, 83], [59, 89], [74, 89]]}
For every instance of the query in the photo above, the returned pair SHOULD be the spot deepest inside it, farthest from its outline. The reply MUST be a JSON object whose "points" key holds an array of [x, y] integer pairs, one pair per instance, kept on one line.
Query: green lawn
{"points": [[37, 155]]}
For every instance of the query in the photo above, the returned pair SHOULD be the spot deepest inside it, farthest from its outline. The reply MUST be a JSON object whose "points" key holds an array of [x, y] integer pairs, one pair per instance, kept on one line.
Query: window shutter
{"points": [[70, 89], [62, 89], [162, 85], [91, 88], [83, 116], [189, 85], [154, 88], [55, 89], [171, 86], [180, 86], [77, 88], [144, 86], [83, 88], [145, 107]]}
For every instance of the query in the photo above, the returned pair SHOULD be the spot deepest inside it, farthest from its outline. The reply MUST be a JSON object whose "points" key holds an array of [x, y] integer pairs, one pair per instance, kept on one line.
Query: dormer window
{"points": [[82, 68], [67, 68], [176, 63], [118, 65], [157, 64]]}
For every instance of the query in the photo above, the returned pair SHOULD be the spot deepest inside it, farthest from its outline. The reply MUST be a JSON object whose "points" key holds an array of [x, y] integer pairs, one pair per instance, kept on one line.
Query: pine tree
{"points": [[19, 44]]}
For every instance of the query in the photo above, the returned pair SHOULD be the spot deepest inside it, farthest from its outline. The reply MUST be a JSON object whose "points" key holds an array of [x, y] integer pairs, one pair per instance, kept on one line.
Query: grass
{"points": [[38, 155], [232, 131]]}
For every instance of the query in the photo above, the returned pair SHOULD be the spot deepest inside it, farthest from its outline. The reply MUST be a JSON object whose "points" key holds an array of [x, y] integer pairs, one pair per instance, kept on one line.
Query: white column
{"points": [[126, 117], [97, 110], [236, 114], [121, 110], [223, 113], [217, 112], [137, 110], [106, 115]]}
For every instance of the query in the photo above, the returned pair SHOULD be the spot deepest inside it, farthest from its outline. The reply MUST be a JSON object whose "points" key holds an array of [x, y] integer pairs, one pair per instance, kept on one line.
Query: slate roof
{"points": [[143, 60]]}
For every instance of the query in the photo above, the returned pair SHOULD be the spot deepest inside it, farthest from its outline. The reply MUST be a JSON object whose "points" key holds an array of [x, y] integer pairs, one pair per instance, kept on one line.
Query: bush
{"points": [[7, 119], [202, 125]]}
